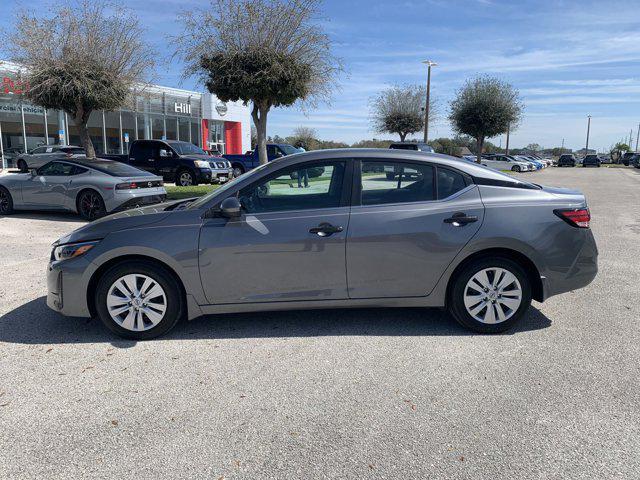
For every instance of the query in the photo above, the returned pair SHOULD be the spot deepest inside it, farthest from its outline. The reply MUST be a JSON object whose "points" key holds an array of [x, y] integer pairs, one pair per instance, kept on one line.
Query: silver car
{"points": [[443, 233], [92, 188], [41, 155]]}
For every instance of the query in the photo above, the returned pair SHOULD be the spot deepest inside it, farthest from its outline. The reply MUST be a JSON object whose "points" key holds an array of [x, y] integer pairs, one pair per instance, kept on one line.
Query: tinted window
{"points": [[56, 169], [449, 182], [186, 148], [289, 150], [39, 150], [115, 169], [396, 182], [312, 185], [271, 150], [403, 146]]}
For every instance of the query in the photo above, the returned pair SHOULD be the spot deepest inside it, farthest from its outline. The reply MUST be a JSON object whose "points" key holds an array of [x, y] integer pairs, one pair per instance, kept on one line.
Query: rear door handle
{"points": [[460, 219], [325, 230]]}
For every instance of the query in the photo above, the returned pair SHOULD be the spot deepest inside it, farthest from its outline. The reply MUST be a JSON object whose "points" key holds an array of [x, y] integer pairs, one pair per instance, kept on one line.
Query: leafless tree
{"points": [[269, 53], [400, 109], [83, 56]]}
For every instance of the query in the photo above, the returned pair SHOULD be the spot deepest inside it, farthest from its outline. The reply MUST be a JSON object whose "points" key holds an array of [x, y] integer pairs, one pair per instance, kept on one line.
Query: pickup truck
{"points": [[181, 162], [248, 161]]}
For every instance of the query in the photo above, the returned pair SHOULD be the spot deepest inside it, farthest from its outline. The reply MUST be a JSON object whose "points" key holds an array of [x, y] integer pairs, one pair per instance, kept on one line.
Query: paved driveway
{"points": [[339, 394]]}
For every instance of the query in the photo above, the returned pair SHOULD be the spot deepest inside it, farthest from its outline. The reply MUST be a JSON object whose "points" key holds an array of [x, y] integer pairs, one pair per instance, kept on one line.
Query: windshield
{"points": [[289, 150], [204, 199], [186, 148]]}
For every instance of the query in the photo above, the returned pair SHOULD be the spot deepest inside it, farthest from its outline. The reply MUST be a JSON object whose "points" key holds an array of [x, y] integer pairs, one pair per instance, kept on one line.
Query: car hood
{"points": [[127, 219]]}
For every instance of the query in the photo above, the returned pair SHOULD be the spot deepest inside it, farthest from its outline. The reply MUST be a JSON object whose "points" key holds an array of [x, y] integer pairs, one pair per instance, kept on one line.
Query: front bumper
{"points": [[67, 287], [221, 175]]}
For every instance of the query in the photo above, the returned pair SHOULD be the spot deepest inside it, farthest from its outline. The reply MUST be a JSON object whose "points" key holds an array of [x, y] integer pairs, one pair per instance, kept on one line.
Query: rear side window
{"points": [[395, 182], [449, 182]]}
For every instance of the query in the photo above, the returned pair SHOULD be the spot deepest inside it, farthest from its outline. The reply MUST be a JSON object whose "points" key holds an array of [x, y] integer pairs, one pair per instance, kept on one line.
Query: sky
{"points": [[568, 59]]}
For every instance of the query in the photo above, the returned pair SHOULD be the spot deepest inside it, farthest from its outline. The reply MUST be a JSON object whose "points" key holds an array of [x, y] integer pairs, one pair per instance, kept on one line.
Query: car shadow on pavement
{"points": [[49, 216], [35, 323]]}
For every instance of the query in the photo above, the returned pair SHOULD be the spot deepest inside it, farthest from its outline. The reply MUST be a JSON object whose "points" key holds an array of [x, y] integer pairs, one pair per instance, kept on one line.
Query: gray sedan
{"points": [[41, 155], [92, 188], [441, 233]]}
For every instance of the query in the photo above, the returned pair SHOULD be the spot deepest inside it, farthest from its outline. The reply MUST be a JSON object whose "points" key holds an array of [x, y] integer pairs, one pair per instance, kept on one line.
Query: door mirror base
{"points": [[230, 208]]}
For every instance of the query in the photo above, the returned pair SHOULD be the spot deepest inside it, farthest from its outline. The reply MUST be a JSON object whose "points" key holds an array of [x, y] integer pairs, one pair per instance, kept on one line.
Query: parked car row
{"points": [[182, 163], [514, 163]]}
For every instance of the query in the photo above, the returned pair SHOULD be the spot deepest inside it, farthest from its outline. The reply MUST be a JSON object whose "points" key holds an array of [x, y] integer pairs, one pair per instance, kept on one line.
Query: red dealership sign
{"points": [[17, 87]]}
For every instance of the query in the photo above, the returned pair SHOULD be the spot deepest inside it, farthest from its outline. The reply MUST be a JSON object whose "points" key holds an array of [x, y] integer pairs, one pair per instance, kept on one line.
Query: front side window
{"points": [[299, 187], [56, 169], [395, 182]]}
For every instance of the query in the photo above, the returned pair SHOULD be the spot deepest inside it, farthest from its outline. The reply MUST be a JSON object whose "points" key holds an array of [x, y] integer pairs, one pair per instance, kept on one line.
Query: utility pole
{"points": [[429, 64], [586, 150], [506, 150], [638, 139], [562, 148]]}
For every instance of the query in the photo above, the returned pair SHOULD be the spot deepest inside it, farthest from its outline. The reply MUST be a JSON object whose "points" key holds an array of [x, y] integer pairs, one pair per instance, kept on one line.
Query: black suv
{"points": [[591, 161], [567, 160]]}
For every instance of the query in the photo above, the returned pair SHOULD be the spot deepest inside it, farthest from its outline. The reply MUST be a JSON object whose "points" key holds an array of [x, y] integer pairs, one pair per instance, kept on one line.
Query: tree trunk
{"points": [[81, 118], [402, 136], [479, 146], [259, 115]]}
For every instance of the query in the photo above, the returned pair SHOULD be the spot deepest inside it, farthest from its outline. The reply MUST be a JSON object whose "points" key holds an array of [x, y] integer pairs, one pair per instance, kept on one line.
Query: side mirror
{"points": [[230, 208], [164, 153], [34, 173]]}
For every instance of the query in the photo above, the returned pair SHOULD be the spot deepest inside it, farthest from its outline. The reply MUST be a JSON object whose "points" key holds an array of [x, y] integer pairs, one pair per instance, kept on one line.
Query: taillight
{"points": [[127, 186], [578, 217]]}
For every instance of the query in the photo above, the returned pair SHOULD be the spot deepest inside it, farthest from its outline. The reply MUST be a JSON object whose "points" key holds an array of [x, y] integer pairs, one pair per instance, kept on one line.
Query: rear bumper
{"points": [[140, 202]]}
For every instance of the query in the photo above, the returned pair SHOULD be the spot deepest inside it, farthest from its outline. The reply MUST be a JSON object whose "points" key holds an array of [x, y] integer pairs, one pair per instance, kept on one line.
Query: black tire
{"points": [[90, 205], [172, 290], [516, 168], [186, 178], [456, 304], [6, 202], [22, 166], [237, 170]]}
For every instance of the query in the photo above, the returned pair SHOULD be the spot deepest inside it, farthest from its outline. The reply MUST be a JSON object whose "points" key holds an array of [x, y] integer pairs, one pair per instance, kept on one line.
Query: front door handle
{"points": [[460, 219], [325, 230]]}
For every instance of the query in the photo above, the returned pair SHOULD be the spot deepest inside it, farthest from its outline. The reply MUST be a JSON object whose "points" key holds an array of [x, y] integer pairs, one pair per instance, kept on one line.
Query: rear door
{"points": [[405, 231], [288, 245], [144, 155]]}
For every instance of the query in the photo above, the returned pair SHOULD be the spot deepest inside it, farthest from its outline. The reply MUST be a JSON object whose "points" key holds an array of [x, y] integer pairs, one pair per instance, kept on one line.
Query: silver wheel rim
{"points": [[493, 295], [237, 172], [136, 302], [185, 179]]}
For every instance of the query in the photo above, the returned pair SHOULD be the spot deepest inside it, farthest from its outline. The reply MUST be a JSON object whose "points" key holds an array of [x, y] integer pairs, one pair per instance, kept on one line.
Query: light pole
{"points": [[506, 150], [638, 139], [429, 64], [586, 150]]}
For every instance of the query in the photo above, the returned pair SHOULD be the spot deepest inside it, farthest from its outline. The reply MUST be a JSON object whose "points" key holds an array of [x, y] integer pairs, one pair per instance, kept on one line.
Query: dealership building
{"points": [[152, 112]]}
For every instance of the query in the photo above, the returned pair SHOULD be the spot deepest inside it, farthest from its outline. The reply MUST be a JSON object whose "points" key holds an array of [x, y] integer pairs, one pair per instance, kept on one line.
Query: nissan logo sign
{"points": [[221, 108]]}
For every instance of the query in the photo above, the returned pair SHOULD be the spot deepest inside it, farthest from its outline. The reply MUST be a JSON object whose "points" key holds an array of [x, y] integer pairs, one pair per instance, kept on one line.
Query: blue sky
{"points": [[568, 59]]}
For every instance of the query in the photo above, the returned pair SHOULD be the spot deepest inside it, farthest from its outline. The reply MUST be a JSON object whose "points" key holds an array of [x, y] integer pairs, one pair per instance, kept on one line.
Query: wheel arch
{"points": [[102, 269], [537, 288]]}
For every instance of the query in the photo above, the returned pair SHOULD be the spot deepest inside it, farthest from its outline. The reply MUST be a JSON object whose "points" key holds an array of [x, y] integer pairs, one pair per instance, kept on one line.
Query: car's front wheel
{"points": [[6, 202], [186, 178], [138, 300], [237, 171], [490, 295]]}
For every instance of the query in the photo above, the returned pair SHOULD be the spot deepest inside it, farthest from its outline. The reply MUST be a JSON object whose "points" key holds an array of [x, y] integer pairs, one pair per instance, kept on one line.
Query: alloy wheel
{"points": [[186, 180], [4, 202], [136, 302], [237, 171], [493, 295], [90, 205]]}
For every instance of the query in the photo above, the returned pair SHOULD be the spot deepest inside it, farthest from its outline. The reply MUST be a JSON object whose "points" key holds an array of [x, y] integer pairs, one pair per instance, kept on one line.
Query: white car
{"points": [[505, 162]]}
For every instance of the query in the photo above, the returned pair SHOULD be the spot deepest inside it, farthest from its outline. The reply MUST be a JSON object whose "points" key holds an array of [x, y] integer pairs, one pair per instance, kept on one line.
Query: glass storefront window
{"points": [[195, 132], [34, 126], [128, 128], [157, 127], [183, 129], [144, 128], [11, 124], [172, 128], [112, 124], [53, 126]]}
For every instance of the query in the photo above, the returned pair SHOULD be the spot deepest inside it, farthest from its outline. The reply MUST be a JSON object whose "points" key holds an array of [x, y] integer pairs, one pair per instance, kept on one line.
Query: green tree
{"points": [[533, 147], [400, 110], [304, 137], [80, 57], [618, 150], [483, 108], [270, 53]]}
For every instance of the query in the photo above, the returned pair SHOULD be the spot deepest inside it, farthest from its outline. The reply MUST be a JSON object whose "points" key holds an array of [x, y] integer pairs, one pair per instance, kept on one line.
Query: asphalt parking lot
{"points": [[403, 393]]}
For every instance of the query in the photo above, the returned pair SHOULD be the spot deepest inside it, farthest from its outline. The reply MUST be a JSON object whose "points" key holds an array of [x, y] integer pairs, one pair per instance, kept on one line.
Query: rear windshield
{"points": [[115, 169], [186, 148]]}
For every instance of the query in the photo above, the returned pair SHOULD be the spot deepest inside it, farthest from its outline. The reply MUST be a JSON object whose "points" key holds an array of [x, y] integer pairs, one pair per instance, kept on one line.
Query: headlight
{"points": [[72, 250], [202, 164]]}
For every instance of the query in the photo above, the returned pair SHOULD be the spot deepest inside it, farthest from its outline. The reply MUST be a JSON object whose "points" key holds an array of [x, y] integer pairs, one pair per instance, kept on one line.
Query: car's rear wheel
{"points": [[91, 205], [6, 202], [516, 168], [490, 295], [22, 166], [138, 300], [185, 178]]}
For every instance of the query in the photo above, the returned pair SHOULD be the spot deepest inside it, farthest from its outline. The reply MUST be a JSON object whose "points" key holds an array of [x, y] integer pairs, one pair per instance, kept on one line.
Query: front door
{"points": [[48, 188], [405, 229], [289, 243]]}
